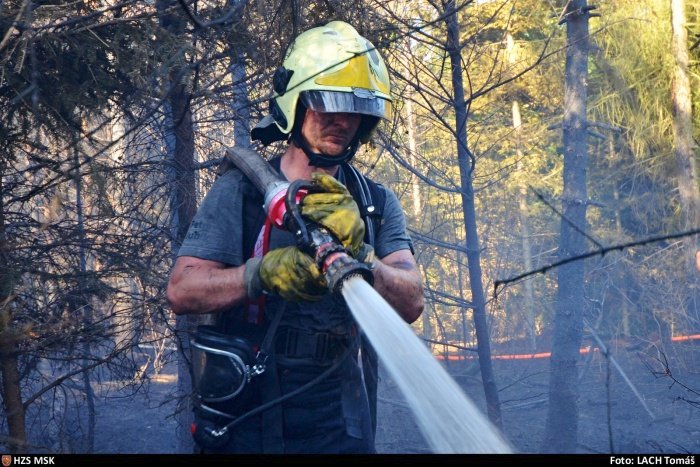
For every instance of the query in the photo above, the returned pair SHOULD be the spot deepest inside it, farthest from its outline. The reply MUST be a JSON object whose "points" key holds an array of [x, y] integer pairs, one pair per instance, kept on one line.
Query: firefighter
{"points": [[308, 395]]}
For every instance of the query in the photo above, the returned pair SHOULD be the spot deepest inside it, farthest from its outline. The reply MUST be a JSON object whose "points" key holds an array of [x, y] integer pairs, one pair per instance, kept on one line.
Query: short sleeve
{"points": [[216, 230], [392, 235]]}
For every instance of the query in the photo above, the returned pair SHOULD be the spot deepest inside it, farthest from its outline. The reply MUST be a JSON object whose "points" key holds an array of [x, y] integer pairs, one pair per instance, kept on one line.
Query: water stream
{"points": [[448, 419]]}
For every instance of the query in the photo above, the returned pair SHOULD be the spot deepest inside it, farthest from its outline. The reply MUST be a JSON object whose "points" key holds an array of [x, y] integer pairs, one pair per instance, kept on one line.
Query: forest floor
{"points": [[610, 421], [612, 418]]}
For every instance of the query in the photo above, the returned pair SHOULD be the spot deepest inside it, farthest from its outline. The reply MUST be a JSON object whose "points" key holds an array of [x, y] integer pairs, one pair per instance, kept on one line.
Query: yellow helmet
{"points": [[329, 68]]}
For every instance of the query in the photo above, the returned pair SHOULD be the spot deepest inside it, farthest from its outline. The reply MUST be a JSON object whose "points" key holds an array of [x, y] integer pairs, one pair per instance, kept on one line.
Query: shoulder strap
{"points": [[369, 196]]}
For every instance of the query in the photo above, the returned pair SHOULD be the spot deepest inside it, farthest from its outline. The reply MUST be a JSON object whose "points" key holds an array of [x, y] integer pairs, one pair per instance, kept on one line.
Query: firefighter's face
{"points": [[329, 133]]}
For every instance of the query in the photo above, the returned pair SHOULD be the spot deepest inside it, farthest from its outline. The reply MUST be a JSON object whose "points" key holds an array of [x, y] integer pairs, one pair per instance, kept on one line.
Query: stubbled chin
{"points": [[333, 149]]}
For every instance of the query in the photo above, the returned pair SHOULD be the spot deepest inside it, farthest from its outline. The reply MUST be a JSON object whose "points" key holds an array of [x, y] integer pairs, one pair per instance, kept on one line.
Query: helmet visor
{"points": [[360, 101]]}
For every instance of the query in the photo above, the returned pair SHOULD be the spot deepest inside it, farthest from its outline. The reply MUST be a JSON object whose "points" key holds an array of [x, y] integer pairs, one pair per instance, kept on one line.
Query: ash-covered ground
{"points": [[612, 418]]}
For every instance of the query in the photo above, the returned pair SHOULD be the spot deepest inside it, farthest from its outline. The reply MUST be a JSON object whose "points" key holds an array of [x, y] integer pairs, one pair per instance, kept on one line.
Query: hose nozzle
{"points": [[339, 267]]}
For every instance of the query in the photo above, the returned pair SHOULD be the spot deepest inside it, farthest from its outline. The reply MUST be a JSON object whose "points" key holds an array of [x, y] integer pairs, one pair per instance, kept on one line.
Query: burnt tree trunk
{"points": [[241, 102], [82, 301], [688, 191], [521, 196], [179, 136], [528, 289], [561, 432], [9, 364], [466, 171]]}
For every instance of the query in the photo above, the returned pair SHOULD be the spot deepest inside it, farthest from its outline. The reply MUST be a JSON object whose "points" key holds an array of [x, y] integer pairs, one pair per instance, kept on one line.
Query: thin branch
{"points": [[435, 242], [397, 157], [61, 379], [233, 11], [447, 344], [611, 359], [565, 219], [454, 301], [667, 373], [12, 26], [590, 254]]}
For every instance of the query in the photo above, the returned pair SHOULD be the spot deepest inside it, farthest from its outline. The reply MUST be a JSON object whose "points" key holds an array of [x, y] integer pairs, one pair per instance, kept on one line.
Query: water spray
{"points": [[449, 421]]}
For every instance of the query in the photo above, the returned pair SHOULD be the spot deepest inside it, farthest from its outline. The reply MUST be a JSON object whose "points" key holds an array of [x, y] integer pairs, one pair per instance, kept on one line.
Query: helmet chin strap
{"points": [[317, 159]]}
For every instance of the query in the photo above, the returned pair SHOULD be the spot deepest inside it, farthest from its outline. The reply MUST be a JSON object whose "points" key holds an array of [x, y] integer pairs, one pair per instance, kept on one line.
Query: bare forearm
{"points": [[401, 286], [197, 288]]}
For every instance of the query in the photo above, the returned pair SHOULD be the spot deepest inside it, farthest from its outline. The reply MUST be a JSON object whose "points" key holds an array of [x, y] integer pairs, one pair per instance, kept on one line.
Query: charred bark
{"points": [[9, 363], [688, 191], [179, 136], [561, 432], [465, 162]]}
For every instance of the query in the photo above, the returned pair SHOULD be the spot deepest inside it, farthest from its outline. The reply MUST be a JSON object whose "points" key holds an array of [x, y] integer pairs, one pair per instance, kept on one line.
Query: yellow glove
{"points": [[335, 210], [287, 272]]}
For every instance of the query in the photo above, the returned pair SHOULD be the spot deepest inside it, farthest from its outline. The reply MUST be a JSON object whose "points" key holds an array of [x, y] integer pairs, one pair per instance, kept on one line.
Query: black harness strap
{"points": [[369, 196]]}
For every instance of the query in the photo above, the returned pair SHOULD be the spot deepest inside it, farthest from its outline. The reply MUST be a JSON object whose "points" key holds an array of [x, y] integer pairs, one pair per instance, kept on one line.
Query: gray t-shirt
{"points": [[217, 234]]}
